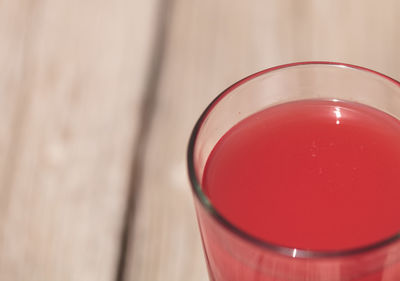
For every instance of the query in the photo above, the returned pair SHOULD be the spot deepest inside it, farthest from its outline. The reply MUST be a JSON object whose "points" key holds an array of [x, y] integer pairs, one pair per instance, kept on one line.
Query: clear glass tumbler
{"points": [[232, 254]]}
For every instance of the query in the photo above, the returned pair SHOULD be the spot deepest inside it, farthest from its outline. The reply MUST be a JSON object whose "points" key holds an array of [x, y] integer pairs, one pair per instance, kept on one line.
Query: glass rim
{"points": [[211, 210]]}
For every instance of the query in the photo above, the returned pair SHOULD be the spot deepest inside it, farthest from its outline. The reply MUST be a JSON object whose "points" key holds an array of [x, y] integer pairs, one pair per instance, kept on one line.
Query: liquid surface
{"points": [[314, 174]]}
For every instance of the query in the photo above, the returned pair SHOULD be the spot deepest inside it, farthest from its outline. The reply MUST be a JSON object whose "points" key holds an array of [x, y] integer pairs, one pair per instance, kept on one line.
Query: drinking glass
{"points": [[231, 253]]}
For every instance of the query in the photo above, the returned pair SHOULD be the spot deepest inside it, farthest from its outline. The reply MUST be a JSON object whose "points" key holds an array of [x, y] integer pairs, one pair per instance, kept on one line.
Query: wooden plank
{"points": [[210, 45], [72, 75]]}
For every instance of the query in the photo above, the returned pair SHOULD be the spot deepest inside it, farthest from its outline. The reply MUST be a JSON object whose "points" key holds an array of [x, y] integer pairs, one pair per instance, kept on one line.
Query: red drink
{"points": [[312, 174], [293, 183]]}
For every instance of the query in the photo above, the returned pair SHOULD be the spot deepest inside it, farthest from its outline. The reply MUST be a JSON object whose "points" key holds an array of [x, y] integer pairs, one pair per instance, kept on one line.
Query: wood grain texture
{"points": [[72, 75], [210, 45]]}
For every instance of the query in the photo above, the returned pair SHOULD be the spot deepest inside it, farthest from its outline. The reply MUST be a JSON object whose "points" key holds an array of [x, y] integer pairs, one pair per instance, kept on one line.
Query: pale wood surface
{"points": [[211, 44], [73, 76]]}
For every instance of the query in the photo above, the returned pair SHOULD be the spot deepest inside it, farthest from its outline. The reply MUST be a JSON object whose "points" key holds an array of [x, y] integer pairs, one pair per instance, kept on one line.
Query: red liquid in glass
{"points": [[313, 174]]}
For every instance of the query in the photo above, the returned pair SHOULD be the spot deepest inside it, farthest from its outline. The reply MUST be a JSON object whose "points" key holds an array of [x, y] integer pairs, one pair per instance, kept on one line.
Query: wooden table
{"points": [[97, 101]]}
